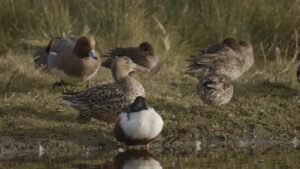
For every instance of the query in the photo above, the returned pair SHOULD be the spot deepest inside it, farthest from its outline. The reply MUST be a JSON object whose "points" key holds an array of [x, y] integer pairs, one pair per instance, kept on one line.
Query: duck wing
{"points": [[225, 61], [108, 98]]}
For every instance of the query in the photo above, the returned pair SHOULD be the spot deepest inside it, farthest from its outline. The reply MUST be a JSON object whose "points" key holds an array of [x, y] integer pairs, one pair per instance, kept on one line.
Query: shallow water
{"points": [[265, 157]]}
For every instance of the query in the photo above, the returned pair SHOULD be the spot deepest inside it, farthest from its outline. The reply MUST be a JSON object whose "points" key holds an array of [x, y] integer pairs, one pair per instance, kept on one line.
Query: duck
{"points": [[231, 58], [41, 58], [142, 55], [105, 101], [72, 59], [215, 89], [139, 124], [133, 158]]}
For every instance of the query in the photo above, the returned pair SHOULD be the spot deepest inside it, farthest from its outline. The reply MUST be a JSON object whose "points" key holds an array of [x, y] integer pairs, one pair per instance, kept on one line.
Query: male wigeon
{"points": [[73, 60], [142, 55], [215, 89], [231, 58], [41, 58], [104, 102], [139, 124]]}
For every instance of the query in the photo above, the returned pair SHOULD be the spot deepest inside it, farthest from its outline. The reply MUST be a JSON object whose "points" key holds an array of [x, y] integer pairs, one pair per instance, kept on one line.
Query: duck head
{"points": [[139, 104], [232, 43], [85, 47], [146, 47], [216, 81], [122, 66]]}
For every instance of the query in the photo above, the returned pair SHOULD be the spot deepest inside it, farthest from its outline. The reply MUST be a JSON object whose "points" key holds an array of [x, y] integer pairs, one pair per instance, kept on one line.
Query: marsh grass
{"points": [[265, 103]]}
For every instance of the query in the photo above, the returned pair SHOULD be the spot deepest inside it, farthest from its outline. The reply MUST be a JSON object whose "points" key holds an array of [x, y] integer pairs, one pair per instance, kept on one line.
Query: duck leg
{"points": [[147, 146], [110, 125], [88, 85]]}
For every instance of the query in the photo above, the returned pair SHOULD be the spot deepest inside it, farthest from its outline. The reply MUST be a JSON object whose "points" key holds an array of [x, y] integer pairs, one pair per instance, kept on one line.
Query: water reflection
{"points": [[268, 157], [133, 159]]}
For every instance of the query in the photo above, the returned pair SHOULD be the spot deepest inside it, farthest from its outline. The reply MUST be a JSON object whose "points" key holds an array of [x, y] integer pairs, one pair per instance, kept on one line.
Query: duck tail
{"points": [[41, 58], [67, 98]]}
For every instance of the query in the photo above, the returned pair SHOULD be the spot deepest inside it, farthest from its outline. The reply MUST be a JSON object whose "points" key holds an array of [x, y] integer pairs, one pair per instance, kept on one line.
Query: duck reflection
{"points": [[133, 159]]}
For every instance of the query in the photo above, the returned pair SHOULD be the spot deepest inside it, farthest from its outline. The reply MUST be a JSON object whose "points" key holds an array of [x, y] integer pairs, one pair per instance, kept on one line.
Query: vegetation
{"points": [[265, 106]]}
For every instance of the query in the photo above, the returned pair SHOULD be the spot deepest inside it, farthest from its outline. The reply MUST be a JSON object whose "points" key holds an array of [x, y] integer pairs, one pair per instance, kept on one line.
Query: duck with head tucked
{"points": [[41, 58], [215, 89], [142, 55], [231, 58], [139, 124], [104, 102], [73, 60]]}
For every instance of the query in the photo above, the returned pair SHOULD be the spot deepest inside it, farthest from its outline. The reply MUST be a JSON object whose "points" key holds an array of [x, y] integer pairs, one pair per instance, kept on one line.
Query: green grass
{"points": [[265, 105]]}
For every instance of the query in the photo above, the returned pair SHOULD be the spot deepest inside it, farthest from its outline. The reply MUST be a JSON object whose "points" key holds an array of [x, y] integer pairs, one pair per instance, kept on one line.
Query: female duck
{"points": [[103, 102], [142, 55], [215, 89], [138, 125], [231, 58]]}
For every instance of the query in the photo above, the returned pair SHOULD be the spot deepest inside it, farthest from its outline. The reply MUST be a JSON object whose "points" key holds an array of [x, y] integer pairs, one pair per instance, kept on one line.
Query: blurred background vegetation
{"points": [[174, 26]]}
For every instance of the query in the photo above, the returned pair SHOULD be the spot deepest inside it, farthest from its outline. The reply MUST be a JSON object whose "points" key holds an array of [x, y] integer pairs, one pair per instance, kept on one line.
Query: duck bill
{"points": [[93, 54], [139, 68]]}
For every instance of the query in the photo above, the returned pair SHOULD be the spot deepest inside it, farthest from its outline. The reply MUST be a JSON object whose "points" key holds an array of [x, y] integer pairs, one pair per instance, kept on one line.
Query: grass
{"points": [[265, 105]]}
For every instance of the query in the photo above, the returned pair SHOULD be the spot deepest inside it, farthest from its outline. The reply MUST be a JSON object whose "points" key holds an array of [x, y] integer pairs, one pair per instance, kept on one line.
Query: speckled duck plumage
{"points": [[103, 102], [231, 58], [215, 89]]}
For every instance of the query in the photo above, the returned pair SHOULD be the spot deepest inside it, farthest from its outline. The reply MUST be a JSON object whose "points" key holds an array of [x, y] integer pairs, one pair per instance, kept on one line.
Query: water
{"points": [[248, 158]]}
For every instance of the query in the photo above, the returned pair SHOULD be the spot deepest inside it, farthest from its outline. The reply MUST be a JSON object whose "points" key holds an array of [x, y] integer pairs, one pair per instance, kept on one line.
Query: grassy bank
{"points": [[266, 102]]}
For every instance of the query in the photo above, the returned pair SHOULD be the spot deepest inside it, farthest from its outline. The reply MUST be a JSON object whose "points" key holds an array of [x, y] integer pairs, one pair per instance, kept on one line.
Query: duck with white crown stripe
{"points": [[139, 124]]}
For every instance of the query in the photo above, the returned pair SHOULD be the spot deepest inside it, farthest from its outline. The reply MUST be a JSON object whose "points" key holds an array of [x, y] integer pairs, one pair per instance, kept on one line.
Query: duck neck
{"points": [[118, 74]]}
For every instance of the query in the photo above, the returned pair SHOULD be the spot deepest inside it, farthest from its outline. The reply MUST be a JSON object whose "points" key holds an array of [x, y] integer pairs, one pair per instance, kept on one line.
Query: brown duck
{"points": [[231, 58], [215, 89], [73, 60], [104, 102], [142, 55]]}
